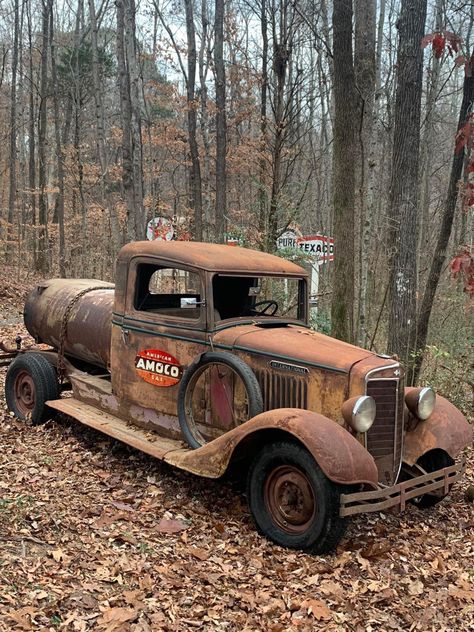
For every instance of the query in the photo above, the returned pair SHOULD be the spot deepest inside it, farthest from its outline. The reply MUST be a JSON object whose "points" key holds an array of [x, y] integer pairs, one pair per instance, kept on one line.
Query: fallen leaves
{"points": [[95, 536], [58, 555], [122, 506], [170, 526], [198, 553], [459, 593], [317, 608], [416, 587], [117, 615]]}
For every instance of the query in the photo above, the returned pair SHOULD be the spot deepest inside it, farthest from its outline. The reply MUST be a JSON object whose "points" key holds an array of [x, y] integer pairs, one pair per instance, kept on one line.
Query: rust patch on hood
{"points": [[293, 342]]}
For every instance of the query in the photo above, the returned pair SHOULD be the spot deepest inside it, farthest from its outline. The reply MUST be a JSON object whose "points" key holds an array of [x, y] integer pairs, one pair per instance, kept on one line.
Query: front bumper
{"points": [[397, 495]]}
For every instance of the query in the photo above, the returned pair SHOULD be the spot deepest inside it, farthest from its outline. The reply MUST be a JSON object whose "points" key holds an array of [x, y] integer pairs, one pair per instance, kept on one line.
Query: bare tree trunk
{"points": [[100, 129], [81, 248], [204, 59], [403, 211], [128, 77], [13, 135], [32, 138], [195, 167], [221, 122], [126, 116], [374, 176], [43, 259], [428, 144], [439, 255], [344, 176], [364, 68], [135, 91], [23, 174], [262, 193], [282, 36], [59, 153]]}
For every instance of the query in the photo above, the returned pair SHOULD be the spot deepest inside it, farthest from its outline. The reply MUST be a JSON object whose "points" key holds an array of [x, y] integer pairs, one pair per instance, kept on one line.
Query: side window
{"points": [[168, 291]]}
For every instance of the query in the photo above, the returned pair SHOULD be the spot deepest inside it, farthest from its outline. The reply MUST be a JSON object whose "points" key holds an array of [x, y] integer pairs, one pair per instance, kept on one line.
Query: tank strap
{"points": [[64, 323]]}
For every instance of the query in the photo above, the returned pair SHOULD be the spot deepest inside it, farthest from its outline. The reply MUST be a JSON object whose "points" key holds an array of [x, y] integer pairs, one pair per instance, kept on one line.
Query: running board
{"points": [[210, 460], [144, 440]]}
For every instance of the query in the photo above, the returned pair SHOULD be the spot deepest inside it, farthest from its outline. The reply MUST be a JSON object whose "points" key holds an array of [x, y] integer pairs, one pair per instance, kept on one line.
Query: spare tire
{"points": [[214, 378]]}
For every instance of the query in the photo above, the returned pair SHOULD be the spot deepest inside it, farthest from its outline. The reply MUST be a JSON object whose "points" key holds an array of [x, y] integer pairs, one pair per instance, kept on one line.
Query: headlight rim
{"points": [[356, 412], [425, 391]]}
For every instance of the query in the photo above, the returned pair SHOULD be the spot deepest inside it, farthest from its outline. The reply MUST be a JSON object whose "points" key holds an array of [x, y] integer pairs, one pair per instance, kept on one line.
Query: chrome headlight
{"points": [[425, 403], [359, 412]]}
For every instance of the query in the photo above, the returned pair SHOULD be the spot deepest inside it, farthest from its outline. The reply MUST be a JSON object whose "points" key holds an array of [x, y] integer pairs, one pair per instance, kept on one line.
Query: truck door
{"points": [[162, 330]]}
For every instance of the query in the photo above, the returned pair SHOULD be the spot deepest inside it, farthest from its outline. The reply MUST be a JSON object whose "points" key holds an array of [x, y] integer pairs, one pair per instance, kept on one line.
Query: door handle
{"points": [[125, 335]]}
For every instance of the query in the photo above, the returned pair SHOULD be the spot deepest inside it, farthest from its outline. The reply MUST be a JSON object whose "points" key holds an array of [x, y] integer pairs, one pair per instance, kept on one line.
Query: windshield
{"points": [[263, 296]]}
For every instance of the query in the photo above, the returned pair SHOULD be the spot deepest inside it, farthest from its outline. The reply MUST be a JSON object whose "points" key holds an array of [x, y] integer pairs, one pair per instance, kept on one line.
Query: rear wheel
{"points": [[30, 382], [430, 462], [292, 502]]}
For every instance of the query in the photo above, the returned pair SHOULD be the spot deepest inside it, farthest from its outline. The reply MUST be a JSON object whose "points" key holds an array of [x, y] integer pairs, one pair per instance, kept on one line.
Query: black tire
{"points": [[315, 529], [30, 382], [254, 395], [430, 462]]}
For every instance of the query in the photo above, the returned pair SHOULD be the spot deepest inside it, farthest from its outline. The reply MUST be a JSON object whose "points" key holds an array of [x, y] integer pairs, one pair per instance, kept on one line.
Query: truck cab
{"points": [[179, 300], [201, 356]]}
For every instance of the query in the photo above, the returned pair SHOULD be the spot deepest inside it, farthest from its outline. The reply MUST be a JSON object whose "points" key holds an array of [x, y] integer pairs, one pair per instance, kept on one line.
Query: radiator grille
{"points": [[384, 439], [282, 391]]}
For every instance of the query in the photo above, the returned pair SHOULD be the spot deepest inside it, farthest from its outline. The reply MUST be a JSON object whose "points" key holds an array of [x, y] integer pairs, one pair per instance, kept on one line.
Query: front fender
{"points": [[446, 429], [340, 456]]}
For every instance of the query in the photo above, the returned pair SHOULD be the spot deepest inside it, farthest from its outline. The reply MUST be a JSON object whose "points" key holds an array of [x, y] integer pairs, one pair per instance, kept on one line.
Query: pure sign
{"points": [[319, 246]]}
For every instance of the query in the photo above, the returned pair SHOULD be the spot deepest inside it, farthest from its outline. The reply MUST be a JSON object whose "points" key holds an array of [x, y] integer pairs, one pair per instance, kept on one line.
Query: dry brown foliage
{"points": [[97, 536]]}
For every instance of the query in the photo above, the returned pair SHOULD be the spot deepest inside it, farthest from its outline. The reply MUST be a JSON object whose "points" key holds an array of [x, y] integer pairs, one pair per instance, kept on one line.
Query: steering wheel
{"points": [[264, 311]]}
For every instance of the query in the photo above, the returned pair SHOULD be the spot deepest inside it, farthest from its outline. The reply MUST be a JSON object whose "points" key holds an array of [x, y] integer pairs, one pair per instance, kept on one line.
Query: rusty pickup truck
{"points": [[201, 356]]}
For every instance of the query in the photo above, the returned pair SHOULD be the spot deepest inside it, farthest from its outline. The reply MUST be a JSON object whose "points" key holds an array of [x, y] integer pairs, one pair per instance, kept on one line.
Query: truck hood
{"points": [[292, 343]]}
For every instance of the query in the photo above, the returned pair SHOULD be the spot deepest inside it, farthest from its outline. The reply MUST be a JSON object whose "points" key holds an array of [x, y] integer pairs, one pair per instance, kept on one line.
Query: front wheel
{"points": [[292, 502], [430, 462]]}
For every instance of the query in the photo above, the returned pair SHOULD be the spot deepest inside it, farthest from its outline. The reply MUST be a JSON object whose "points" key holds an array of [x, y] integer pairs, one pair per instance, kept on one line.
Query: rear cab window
{"points": [[168, 291]]}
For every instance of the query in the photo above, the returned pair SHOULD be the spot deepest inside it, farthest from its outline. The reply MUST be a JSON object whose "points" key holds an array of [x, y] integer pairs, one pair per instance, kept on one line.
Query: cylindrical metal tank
{"points": [[89, 322]]}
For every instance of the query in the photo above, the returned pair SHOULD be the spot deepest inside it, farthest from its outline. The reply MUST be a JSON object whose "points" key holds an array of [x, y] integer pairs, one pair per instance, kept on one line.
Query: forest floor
{"points": [[97, 536]]}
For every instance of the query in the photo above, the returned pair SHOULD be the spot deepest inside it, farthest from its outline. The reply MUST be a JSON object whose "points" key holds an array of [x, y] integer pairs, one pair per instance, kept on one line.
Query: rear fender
{"points": [[340, 456], [446, 429]]}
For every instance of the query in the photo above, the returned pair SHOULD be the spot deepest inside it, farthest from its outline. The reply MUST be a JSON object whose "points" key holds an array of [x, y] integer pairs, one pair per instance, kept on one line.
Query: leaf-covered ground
{"points": [[97, 536]]}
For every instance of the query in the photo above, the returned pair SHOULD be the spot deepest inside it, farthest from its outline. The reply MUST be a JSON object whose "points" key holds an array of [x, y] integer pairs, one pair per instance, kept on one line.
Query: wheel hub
{"points": [[290, 498], [25, 392]]}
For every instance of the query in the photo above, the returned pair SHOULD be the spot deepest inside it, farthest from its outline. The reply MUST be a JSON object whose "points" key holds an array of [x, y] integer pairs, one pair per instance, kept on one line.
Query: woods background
{"points": [[352, 119]]}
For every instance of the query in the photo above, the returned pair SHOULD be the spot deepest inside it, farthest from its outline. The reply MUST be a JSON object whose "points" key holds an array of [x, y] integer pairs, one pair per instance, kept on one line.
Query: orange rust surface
{"points": [[212, 257], [331, 369], [89, 324], [397, 496], [385, 368], [294, 342], [146, 441], [340, 456], [447, 429]]}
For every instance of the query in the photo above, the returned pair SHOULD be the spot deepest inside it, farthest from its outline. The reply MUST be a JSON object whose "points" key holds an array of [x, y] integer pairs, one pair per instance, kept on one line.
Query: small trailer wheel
{"points": [[292, 502], [30, 382]]}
